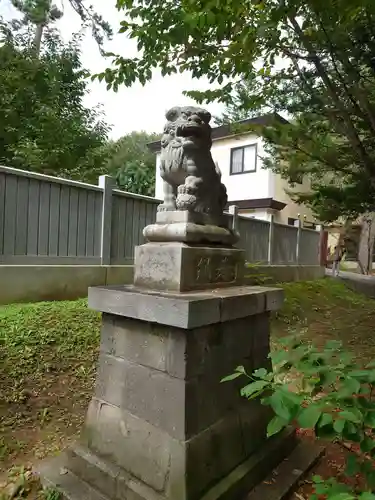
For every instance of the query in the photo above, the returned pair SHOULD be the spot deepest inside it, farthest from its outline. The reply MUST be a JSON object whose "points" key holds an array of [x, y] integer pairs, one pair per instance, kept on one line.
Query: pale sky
{"points": [[135, 108]]}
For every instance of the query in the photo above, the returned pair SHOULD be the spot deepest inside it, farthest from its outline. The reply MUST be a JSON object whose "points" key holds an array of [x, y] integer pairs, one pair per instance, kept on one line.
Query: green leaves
{"points": [[276, 425], [309, 416], [254, 389], [240, 370], [45, 126], [350, 416], [334, 398], [233, 376], [352, 465]]}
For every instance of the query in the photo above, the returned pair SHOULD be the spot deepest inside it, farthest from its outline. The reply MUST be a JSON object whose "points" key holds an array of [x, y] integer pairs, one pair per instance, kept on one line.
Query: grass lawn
{"points": [[48, 353]]}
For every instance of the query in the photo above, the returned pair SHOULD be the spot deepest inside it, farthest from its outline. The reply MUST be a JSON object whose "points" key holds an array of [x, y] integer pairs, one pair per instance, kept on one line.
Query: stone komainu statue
{"points": [[192, 180]]}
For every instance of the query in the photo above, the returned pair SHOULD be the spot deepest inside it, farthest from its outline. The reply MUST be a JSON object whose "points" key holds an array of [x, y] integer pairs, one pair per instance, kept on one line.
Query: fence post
{"points": [[106, 182], [270, 240], [233, 210], [299, 235]]}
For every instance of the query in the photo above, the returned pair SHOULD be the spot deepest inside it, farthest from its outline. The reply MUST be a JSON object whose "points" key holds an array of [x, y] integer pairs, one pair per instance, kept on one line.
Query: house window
{"points": [[243, 160], [292, 222]]}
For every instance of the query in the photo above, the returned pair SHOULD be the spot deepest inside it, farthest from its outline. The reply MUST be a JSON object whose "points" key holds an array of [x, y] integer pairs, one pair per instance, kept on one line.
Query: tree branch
{"points": [[350, 129]]}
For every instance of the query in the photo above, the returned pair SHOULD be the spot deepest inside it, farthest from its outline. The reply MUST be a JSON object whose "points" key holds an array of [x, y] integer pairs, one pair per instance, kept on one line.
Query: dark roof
{"points": [[230, 129], [258, 203]]}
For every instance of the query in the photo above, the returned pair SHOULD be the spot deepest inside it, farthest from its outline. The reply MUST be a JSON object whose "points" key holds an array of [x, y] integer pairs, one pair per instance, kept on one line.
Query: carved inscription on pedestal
{"points": [[216, 269]]}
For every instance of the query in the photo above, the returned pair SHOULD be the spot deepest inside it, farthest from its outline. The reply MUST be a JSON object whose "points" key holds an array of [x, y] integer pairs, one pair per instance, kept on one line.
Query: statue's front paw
{"points": [[164, 207], [186, 202]]}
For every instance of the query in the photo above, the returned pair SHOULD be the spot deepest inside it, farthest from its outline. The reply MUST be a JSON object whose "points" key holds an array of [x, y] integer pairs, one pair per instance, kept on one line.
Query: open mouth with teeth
{"points": [[189, 133]]}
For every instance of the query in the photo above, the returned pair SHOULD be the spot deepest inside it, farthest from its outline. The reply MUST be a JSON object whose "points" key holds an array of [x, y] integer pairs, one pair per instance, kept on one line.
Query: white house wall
{"points": [[246, 186]]}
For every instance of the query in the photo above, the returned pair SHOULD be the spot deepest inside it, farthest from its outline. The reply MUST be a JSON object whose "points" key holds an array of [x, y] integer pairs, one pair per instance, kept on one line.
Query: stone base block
{"points": [[193, 228], [177, 216], [161, 425], [187, 232], [79, 474], [180, 267]]}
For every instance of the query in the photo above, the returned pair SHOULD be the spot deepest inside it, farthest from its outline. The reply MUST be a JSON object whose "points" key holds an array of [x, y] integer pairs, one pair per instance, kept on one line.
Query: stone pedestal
{"points": [[161, 426], [182, 268]]}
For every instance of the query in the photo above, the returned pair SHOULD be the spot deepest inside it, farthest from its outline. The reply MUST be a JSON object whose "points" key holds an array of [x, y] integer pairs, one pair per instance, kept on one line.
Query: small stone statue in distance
{"points": [[192, 180]]}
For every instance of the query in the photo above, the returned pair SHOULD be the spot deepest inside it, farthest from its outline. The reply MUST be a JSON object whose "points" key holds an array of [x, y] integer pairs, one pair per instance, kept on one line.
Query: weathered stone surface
{"points": [[149, 394], [179, 389], [183, 310], [192, 181], [180, 485], [54, 475], [213, 349], [142, 343], [187, 232], [131, 443], [187, 467], [254, 419], [180, 267], [100, 474], [209, 457], [172, 217], [275, 299], [169, 309]]}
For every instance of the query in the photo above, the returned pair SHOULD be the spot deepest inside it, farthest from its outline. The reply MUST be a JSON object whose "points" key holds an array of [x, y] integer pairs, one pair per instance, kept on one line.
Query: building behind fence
{"points": [[47, 220]]}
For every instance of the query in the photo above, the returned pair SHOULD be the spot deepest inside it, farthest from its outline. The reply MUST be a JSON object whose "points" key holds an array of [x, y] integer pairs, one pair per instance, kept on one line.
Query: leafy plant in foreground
{"points": [[331, 395]]}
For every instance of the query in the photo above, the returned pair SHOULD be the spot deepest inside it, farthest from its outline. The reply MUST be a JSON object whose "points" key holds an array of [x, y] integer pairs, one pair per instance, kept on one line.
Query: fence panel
{"points": [[309, 247], [130, 214], [48, 220], [254, 238], [284, 250]]}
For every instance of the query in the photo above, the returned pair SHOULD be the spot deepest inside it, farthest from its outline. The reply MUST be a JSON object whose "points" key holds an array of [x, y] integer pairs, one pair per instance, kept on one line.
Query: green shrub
{"points": [[325, 391]]}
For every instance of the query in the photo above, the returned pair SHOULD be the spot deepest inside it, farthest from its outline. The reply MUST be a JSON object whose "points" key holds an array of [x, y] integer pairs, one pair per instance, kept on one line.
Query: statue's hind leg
{"points": [[170, 194]]}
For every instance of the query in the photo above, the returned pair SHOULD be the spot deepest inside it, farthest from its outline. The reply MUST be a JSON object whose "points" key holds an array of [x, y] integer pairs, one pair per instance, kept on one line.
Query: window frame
{"points": [[243, 171]]}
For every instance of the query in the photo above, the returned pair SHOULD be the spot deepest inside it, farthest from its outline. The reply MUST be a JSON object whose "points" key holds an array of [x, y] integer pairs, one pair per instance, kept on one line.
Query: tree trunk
{"points": [[38, 38], [366, 243]]}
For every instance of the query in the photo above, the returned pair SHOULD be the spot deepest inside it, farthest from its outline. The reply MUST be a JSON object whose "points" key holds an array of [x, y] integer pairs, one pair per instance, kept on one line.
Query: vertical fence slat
{"points": [[90, 223], [44, 210], [82, 217], [22, 216], [142, 220], [33, 219], [129, 229], [54, 221], [64, 221], [136, 225], [98, 223], [2, 211], [114, 231], [121, 227], [73, 223], [10, 215]]}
